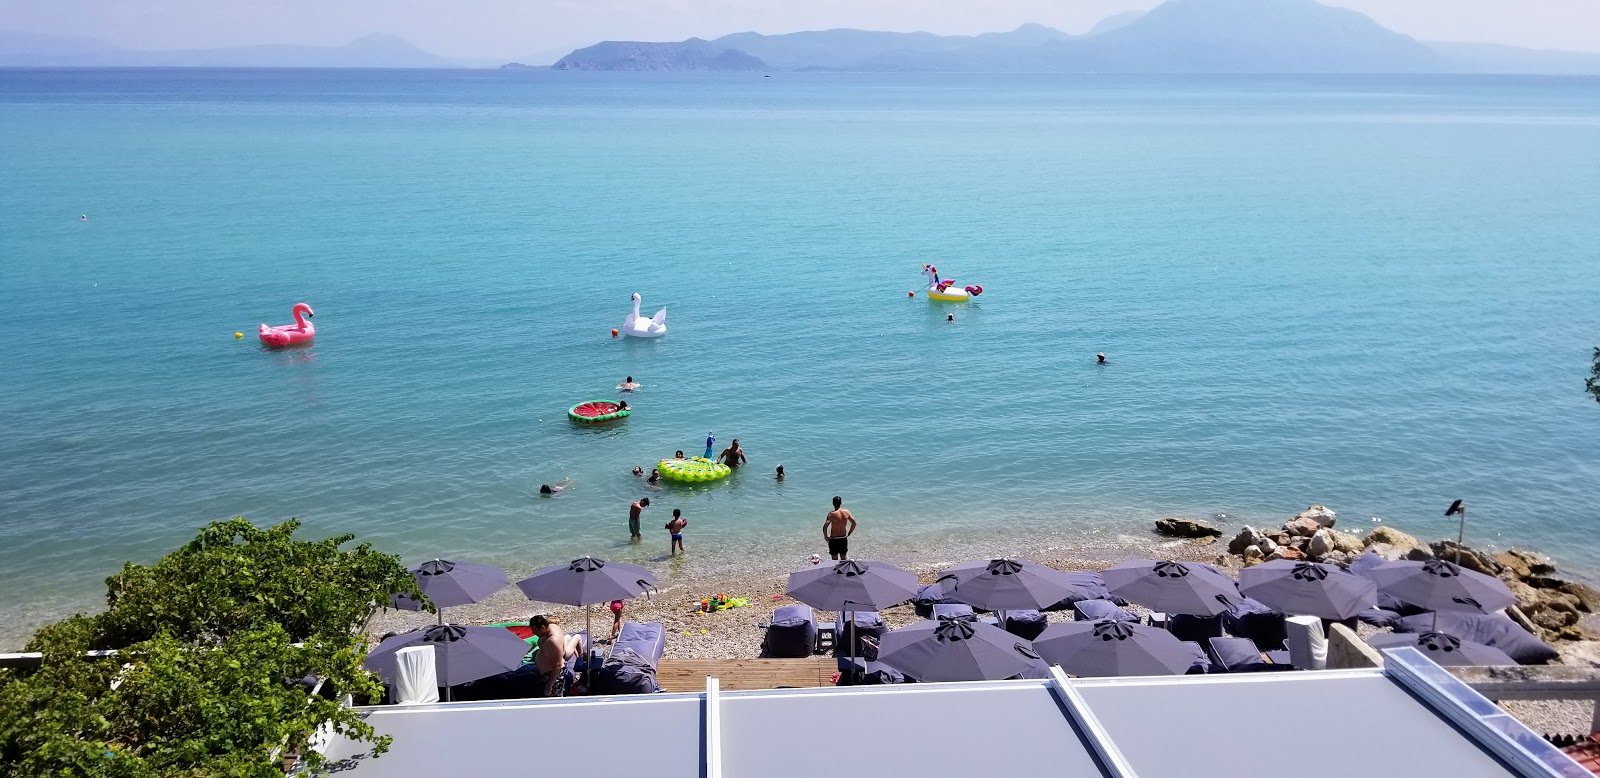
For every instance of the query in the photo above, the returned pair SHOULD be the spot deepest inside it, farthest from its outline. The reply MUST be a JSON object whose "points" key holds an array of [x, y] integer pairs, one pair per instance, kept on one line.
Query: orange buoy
{"points": [[613, 333]]}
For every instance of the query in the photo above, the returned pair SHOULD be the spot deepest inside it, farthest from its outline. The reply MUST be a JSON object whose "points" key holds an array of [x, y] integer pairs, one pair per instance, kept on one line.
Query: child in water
{"points": [[676, 528], [551, 490]]}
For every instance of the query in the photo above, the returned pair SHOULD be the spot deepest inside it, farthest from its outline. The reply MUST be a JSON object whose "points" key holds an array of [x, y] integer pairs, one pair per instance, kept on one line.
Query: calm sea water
{"points": [[1374, 293]]}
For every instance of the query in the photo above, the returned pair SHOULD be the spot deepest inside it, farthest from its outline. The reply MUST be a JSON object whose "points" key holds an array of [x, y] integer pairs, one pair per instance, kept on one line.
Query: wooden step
{"points": [[689, 675]]}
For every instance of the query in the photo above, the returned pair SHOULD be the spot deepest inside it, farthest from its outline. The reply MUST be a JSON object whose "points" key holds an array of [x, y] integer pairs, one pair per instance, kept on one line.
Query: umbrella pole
{"points": [[851, 615], [446, 670], [1461, 534]]}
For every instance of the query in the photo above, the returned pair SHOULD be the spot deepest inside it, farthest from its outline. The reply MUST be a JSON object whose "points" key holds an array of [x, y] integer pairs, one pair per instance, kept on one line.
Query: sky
{"points": [[500, 30]]}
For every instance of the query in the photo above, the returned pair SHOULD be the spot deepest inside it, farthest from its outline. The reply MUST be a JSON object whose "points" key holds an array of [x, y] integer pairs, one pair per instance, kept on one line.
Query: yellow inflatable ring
{"points": [[695, 470]]}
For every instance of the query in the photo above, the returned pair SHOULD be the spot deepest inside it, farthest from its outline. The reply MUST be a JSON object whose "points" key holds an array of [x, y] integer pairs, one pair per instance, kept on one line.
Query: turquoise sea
{"points": [[1374, 293]]}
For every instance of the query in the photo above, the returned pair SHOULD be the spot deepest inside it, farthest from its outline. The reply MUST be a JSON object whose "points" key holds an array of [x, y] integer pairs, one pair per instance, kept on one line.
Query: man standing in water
{"points": [[837, 529], [733, 456], [634, 510]]}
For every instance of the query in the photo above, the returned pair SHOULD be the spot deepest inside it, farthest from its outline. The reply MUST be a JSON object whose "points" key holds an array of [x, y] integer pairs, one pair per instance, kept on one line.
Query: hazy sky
{"points": [[507, 29]]}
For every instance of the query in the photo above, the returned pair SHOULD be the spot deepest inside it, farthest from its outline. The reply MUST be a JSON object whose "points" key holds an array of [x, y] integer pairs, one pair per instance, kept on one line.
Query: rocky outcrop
{"points": [[1186, 528], [1400, 542], [1322, 516], [692, 54]]}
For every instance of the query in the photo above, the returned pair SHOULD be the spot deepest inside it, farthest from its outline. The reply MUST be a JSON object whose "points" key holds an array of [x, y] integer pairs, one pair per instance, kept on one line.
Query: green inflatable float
{"points": [[692, 471]]}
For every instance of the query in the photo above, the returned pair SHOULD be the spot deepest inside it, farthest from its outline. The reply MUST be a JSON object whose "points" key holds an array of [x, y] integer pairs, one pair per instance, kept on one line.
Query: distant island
{"points": [[1178, 36]]}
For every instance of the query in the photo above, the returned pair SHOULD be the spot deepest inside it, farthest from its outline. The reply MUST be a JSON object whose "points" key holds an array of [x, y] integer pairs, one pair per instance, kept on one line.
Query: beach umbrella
{"points": [[1446, 650], [850, 586], [460, 654], [587, 581], [1438, 585], [1190, 588], [956, 649], [1111, 648], [1008, 584], [449, 583], [1308, 589]]}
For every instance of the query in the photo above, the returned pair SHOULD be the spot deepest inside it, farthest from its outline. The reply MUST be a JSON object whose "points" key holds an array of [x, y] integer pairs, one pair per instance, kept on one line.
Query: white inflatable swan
{"points": [[640, 327]]}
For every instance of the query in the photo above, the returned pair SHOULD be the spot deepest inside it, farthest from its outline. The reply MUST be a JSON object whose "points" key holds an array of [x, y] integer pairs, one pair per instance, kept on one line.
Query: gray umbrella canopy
{"points": [[1173, 587], [959, 649], [1112, 648], [1445, 649], [452, 583], [587, 581], [460, 654], [1308, 589], [1007, 584], [1438, 585], [853, 586]]}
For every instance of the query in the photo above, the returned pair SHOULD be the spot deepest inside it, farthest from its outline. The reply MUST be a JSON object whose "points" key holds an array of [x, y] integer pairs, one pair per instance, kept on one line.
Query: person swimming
{"points": [[622, 405], [949, 317], [551, 490], [1100, 358], [780, 472], [679, 454], [655, 475], [638, 471], [628, 385]]}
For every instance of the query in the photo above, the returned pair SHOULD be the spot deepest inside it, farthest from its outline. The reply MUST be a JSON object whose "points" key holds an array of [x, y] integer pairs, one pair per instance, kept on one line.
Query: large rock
{"points": [[1515, 563], [1267, 545], [1286, 552], [1347, 543], [1320, 545], [1247, 537], [1322, 516], [1186, 528], [1588, 598], [1301, 527], [1471, 559], [1400, 541], [1527, 596]]}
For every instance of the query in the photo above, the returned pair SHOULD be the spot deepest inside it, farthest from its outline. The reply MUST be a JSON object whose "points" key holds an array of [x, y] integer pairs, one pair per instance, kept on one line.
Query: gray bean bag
{"points": [[792, 634]]}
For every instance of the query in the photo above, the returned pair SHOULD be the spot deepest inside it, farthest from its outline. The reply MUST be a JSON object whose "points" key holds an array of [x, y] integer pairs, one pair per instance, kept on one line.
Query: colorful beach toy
{"points": [[946, 290], [597, 412], [693, 470]]}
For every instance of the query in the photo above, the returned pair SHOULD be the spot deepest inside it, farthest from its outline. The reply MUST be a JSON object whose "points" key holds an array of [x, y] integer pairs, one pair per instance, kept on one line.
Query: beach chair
{"points": [[1257, 621], [929, 596], [1095, 610], [646, 639], [951, 610], [792, 634], [631, 666], [1240, 655], [1025, 624], [1194, 629], [868, 625], [1202, 660]]}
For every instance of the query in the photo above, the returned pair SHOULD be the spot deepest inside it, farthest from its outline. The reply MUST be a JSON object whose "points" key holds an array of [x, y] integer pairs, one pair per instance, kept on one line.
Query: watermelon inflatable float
{"points": [[597, 412]]}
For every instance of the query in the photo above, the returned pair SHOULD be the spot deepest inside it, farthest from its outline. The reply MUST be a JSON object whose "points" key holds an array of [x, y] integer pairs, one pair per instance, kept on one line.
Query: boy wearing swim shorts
{"points": [[676, 528]]}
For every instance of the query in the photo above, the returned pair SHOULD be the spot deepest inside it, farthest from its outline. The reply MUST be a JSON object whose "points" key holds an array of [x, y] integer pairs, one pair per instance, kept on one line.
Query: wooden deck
{"points": [[689, 675]]}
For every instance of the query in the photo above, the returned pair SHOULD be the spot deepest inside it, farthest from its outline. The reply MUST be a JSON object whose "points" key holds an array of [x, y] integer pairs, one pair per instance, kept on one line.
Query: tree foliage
{"points": [[207, 678], [1593, 381]]}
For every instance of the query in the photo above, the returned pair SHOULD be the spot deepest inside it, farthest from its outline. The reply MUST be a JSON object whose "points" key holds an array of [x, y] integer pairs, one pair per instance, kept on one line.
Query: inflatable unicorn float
{"points": [[946, 290], [640, 327], [290, 334]]}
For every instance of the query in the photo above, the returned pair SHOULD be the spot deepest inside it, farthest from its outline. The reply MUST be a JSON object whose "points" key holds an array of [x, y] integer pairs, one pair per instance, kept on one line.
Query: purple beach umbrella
{"points": [[956, 649], [1445, 650], [1308, 589], [1190, 588], [587, 581], [1007, 584], [850, 586], [1437, 585], [460, 654], [1112, 648], [449, 583]]}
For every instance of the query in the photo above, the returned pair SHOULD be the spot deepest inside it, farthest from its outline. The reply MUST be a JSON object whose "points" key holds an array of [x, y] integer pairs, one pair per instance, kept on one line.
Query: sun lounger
{"points": [[1239, 655], [952, 610], [1256, 621], [646, 639], [869, 673], [1095, 610], [1090, 585], [1025, 624], [792, 634], [1202, 661], [929, 596], [868, 625], [1194, 629]]}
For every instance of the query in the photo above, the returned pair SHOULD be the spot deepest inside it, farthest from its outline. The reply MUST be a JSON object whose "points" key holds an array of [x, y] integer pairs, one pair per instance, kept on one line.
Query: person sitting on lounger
{"points": [[550, 659]]}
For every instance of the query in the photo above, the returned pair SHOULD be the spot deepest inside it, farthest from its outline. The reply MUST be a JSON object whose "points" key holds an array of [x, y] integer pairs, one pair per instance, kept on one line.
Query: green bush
{"points": [[206, 679]]}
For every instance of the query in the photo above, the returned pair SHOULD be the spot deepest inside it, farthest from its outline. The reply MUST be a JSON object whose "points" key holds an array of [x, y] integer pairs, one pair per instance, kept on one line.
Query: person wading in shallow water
{"points": [[837, 529], [733, 456], [633, 514]]}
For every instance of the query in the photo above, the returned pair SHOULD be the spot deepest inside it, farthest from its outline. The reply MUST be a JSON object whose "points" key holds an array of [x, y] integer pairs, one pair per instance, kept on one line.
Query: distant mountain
{"points": [[374, 51], [1491, 58], [1178, 36], [692, 54]]}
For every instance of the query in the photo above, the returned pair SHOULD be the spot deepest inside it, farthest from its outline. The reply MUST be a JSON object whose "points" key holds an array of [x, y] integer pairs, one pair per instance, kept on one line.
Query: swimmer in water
{"points": [[622, 405], [780, 472], [1100, 358], [655, 475], [628, 385], [551, 490], [638, 471], [678, 454], [949, 317], [83, 218]]}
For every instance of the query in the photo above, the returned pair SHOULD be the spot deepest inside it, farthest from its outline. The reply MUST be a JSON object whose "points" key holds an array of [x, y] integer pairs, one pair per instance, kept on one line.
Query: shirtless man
{"points": [[555, 648], [732, 456], [837, 529], [635, 509]]}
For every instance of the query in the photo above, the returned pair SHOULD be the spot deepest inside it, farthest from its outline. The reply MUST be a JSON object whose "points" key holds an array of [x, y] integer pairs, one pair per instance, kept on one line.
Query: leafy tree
{"points": [[206, 680], [1593, 381]]}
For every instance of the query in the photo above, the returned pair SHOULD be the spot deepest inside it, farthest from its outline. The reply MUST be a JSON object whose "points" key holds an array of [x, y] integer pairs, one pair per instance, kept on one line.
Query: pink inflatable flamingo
{"points": [[290, 334]]}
